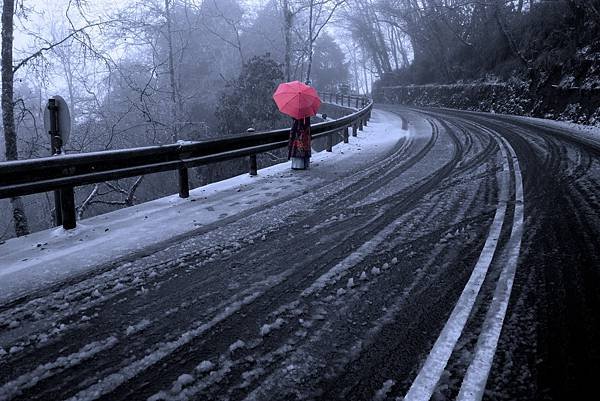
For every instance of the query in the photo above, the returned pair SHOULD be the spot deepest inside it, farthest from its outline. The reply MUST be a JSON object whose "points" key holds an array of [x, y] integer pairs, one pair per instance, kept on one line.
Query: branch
{"points": [[53, 45], [134, 187], [87, 202]]}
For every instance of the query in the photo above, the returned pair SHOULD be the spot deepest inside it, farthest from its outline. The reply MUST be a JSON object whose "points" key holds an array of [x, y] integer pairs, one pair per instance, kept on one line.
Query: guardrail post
{"points": [[360, 124], [184, 183], [55, 149], [345, 134], [331, 98], [357, 103], [365, 119], [329, 145], [57, 209], [67, 204], [354, 129], [253, 165]]}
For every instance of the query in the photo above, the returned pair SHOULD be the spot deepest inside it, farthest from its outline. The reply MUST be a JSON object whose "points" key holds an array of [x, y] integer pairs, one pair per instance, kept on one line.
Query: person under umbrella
{"points": [[300, 102], [299, 144]]}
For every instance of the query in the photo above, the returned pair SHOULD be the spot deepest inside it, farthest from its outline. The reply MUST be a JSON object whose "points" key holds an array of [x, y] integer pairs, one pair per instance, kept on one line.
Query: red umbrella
{"points": [[297, 100]]}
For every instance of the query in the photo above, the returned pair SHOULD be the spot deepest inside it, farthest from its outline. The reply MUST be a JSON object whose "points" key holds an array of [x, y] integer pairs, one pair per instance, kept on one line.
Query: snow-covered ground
{"points": [[589, 132], [43, 258]]}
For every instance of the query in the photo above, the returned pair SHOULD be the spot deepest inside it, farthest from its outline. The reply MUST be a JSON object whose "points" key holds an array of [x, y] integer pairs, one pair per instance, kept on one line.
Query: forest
{"points": [[150, 72], [538, 58]]}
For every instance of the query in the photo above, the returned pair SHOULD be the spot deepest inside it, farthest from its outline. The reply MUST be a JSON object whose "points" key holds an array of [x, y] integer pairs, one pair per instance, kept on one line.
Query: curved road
{"points": [[463, 265]]}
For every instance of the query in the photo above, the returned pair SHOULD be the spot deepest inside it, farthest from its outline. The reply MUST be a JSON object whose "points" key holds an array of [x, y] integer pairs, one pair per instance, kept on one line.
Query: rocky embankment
{"points": [[577, 104]]}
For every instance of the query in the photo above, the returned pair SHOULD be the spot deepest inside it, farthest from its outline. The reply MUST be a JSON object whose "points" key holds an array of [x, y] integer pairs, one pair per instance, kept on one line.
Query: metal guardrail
{"points": [[26, 177]]}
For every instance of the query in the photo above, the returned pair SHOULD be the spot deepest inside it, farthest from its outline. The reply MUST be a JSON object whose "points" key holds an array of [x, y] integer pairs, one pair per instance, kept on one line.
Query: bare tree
{"points": [[8, 116], [320, 13], [175, 94], [287, 28]]}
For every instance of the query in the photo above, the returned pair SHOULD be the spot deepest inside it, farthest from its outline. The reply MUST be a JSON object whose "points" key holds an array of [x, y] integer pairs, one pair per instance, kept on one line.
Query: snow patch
{"points": [[182, 381], [239, 344], [137, 328], [205, 366], [267, 328], [381, 394]]}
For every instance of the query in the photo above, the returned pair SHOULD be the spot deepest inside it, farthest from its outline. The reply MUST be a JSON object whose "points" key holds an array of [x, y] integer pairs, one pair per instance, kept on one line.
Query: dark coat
{"points": [[299, 144]]}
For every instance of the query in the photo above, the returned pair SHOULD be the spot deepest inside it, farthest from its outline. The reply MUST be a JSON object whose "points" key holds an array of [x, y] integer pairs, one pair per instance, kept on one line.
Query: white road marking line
{"points": [[475, 379], [424, 385]]}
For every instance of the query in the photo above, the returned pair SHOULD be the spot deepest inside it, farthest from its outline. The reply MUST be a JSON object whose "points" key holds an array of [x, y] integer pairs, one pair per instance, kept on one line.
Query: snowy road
{"points": [[462, 264]]}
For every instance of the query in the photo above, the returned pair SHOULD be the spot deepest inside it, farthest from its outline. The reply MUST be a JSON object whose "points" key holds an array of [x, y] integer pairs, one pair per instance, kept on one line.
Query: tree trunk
{"points": [[8, 112], [511, 44], [287, 27], [174, 91], [310, 40]]}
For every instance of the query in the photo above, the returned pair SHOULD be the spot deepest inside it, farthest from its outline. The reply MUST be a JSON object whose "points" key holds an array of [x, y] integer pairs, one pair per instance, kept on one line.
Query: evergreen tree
{"points": [[247, 102]]}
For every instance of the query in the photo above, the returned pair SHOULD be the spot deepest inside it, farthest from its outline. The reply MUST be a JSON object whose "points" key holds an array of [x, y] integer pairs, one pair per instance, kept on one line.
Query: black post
{"points": [[365, 119], [404, 124], [354, 129], [357, 102], [329, 143], [253, 165], [57, 209], [360, 124], [67, 201], [331, 98], [345, 134], [253, 168], [55, 149], [184, 183]]}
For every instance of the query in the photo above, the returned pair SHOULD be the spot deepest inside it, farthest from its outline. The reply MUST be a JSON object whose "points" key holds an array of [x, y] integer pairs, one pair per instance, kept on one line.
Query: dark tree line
{"points": [[445, 41]]}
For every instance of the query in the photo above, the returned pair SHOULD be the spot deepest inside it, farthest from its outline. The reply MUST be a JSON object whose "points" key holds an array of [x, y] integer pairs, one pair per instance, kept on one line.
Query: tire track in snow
{"points": [[16, 387], [420, 190]]}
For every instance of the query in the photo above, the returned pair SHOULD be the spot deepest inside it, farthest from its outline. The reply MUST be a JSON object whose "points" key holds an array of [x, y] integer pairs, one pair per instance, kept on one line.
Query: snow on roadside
{"points": [[25, 266], [589, 132]]}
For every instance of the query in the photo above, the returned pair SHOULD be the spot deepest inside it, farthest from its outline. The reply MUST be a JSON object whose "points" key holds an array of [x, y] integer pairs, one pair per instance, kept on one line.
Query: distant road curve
{"points": [[462, 265]]}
